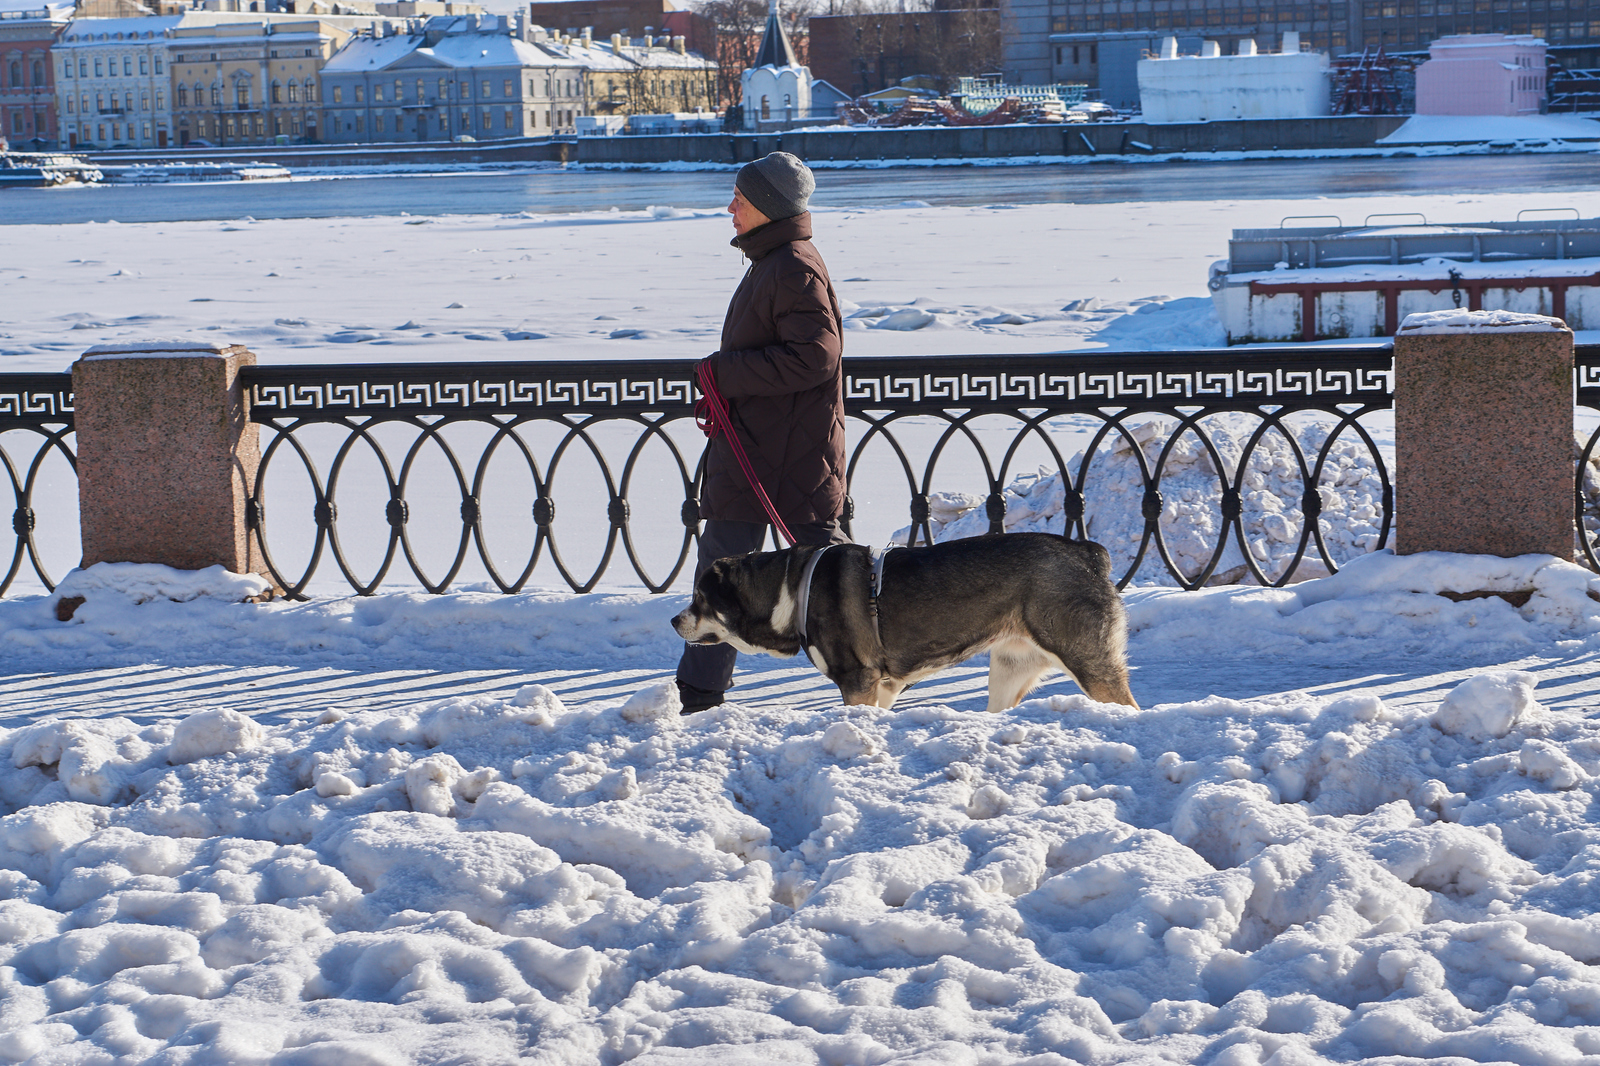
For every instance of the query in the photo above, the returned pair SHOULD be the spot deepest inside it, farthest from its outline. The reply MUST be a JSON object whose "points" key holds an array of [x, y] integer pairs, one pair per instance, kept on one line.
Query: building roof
{"points": [[34, 10], [365, 53], [775, 49], [86, 31]]}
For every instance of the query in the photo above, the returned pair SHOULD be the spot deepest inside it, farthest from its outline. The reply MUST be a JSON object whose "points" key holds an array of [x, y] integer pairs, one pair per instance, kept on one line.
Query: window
{"points": [[508, 121], [377, 123], [144, 64], [510, 91], [100, 102], [466, 89], [377, 93], [358, 94], [144, 101], [241, 94], [97, 71], [277, 93], [161, 100], [216, 96], [444, 88], [399, 92], [83, 103], [158, 64], [69, 105], [338, 94], [486, 92], [127, 102], [360, 123], [294, 93], [83, 68], [531, 90], [183, 95], [127, 66], [66, 68], [16, 75]]}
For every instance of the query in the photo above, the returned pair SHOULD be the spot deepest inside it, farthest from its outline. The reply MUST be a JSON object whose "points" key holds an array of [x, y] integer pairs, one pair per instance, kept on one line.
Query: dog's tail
{"points": [[1098, 558]]}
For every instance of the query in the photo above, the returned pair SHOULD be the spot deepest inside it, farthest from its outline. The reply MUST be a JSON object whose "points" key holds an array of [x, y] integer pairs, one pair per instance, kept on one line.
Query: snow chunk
{"points": [[1487, 705], [907, 318], [214, 732], [988, 802], [845, 741], [653, 704], [1545, 762]]}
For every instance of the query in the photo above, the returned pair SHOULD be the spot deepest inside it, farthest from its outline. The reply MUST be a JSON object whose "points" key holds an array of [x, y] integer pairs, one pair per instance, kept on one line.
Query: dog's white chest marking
{"points": [[817, 660], [783, 613]]}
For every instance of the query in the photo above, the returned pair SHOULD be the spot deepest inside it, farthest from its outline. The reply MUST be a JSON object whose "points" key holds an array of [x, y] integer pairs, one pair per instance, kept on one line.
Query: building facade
{"points": [[455, 78], [479, 78], [1099, 41], [113, 84], [28, 115], [870, 52], [253, 82], [1484, 74]]}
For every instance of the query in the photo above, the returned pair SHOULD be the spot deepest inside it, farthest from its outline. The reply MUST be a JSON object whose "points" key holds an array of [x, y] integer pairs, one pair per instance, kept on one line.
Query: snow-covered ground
{"points": [[1353, 822], [545, 862]]}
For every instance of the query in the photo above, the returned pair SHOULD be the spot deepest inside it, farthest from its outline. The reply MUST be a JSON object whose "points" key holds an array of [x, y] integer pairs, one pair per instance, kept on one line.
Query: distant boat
{"points": [[163, 173], [32, 170]]}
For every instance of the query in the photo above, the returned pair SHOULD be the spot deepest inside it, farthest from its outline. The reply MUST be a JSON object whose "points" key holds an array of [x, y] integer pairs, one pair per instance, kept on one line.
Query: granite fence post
{"points": [[167, 456], [1483, 404]]}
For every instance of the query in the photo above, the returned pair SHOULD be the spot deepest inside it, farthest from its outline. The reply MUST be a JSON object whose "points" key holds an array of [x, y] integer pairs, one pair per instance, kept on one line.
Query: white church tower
{"points": [[778, 88]]}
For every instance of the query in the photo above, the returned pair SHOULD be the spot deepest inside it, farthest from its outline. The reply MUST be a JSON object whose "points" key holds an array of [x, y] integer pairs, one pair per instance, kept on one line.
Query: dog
{"points": [[1036, 602]]}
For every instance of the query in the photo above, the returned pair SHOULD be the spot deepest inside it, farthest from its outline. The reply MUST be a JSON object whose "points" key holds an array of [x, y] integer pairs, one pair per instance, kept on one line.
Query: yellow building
{"points": [[251, 83]]}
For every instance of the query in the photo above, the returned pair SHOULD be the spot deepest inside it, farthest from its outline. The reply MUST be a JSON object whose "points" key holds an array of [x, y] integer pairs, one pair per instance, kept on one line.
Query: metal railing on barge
{"points": [[1227, 411]]}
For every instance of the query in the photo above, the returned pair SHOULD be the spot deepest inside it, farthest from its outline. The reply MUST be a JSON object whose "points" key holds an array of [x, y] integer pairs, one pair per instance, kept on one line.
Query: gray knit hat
{"points": [[777, 185]]}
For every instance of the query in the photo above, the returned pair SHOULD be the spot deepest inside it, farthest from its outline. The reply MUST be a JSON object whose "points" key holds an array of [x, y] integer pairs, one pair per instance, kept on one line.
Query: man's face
{"points": [[745, 217]]}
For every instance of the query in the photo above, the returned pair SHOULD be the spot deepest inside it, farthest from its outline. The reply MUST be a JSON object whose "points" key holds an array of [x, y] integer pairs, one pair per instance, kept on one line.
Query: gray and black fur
{"points": [[1036, 602]]}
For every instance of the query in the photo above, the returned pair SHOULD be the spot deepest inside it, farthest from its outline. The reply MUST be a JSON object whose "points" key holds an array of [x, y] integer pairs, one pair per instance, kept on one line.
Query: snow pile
{"points": [[1191, 521], [1437, 606], [137, 583], [1423, 323], [1215, 881]]}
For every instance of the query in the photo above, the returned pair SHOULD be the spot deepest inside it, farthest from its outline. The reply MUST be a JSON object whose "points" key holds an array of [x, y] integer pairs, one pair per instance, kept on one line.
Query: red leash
{"points": [[711, 415]]}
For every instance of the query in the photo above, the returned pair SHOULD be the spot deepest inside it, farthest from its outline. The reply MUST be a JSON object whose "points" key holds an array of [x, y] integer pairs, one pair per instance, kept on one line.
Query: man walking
{"points": [[779, 371]]}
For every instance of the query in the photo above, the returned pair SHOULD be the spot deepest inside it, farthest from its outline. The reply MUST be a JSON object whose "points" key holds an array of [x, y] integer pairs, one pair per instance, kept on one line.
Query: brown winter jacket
{"points": [[779, 371]]}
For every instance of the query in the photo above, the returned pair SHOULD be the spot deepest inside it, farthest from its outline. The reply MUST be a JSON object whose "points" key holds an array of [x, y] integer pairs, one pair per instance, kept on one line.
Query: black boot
{"points": [[698, 699]]}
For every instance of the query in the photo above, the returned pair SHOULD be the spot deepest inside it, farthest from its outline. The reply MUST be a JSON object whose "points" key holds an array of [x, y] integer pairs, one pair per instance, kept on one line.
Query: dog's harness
{"points": [[874, 590], [804, 606]]}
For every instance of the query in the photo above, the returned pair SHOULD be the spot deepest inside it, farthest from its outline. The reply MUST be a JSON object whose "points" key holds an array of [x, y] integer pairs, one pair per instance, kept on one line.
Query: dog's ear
{"points": [[720, 590]]}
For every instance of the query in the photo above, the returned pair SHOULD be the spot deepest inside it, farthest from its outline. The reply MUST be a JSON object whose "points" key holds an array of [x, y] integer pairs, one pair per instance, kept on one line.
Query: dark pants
{"points": [[709, 667]]}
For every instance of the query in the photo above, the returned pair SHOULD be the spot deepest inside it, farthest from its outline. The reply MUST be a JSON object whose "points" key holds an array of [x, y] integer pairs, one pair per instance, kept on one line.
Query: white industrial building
{"points": [[1210, 86]]}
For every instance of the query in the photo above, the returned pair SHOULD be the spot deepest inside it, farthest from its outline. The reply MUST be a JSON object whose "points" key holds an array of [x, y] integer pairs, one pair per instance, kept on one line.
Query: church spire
{"points": [[775, 48]]}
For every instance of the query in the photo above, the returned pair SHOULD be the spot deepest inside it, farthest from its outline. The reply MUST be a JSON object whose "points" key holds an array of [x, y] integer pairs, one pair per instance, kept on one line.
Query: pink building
{"points": [[1482, 74]]}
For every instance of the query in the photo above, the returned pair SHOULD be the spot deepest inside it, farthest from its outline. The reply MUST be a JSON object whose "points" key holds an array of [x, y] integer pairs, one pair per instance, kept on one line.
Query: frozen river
{"points": [[554, 190]]}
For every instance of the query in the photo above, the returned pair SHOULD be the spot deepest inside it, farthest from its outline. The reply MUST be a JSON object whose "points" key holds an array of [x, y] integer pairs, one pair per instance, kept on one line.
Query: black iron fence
{"points": [[35, 427], [1067, 423], [1192, 467]]}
